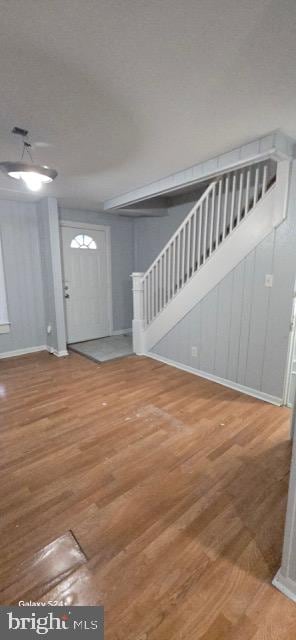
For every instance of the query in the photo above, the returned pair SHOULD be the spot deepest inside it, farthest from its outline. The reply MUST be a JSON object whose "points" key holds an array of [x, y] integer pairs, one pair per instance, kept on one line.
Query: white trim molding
{"points": [[5, 327], [27, 350], [274, 145], [285, 585], [285, 579], [260, 395], [122, 332], [58, 354], [138, 313], [23, 352]]}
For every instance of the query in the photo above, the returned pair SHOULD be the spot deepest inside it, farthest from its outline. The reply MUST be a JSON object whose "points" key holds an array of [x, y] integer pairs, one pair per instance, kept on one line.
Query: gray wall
{"points": [[21, 255], [241, 328], [29, 271], [151, 234], [122, 259]]}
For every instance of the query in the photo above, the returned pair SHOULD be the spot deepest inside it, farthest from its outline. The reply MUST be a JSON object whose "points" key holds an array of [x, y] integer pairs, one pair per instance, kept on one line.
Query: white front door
{"points": [[86, 283]]}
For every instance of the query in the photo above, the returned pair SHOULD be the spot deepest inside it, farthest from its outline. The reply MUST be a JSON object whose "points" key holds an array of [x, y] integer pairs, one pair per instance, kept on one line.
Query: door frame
{"points": [[96, 227]]}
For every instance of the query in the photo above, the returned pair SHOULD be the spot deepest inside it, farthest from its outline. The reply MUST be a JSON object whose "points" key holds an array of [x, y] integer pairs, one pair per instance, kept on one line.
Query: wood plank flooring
{"points": [[171, 488], [44, 570]]}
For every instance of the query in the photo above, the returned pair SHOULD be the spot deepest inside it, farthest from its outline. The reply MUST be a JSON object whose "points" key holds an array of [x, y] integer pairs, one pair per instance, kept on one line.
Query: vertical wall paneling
{"points": [[247, 344], [241, 328], [235, 321], [249, 269], [259, 313], [21, 258], [208, 325], [280, 308], [223, 326]]}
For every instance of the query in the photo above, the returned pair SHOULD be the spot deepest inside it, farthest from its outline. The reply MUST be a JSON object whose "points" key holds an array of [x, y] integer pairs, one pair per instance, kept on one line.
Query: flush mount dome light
{"points": [[33, 175]]}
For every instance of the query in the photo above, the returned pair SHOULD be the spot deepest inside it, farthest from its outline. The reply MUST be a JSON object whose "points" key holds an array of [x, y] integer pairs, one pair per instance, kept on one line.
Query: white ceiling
{"points": [[124, 92]]}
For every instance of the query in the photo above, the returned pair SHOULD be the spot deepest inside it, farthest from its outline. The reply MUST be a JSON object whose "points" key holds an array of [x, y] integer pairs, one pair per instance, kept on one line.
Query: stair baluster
{"points": [[219, 211]]}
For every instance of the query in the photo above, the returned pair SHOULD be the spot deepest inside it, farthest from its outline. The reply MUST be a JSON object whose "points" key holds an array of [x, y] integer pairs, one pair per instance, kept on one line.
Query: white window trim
{"points": [[4, 323]]}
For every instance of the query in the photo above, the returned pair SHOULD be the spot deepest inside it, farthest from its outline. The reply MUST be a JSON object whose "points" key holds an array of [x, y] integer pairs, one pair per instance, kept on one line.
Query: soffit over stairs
{"points": [[151, 197]]}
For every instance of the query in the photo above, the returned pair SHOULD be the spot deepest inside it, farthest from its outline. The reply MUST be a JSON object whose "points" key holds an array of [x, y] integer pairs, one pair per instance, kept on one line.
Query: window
{"points": [[83, 242], [4, 324]]}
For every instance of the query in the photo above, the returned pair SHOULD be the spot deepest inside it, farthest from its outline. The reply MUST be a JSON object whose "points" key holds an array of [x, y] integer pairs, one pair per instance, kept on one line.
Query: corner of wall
{"points": [[49, 233]]}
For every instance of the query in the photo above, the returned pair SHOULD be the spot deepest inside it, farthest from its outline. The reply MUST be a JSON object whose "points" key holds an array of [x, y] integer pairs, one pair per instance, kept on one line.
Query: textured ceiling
{"points": [[118, 93]]}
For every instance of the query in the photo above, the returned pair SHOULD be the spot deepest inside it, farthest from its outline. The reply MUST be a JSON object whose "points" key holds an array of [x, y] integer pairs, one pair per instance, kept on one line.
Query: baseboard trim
{"points": [[122, 332], [58, 354], [285, 586], [260, 395], [23, 352]]}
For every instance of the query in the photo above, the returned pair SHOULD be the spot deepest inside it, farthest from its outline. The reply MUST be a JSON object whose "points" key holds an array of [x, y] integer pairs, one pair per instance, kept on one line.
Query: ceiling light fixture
{"points": [[33, 175]]}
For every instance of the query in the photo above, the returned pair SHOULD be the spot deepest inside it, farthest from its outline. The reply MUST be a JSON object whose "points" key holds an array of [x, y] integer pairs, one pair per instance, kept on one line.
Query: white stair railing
{"points": [[216, 215]]}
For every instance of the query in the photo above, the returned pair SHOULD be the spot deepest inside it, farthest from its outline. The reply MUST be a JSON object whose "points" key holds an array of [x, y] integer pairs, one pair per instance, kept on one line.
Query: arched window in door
{"points": [[83, 242]]}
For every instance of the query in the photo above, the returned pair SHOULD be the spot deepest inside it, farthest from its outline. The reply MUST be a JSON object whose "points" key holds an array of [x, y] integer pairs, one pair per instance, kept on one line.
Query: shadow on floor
{"points": [[250, 509]]}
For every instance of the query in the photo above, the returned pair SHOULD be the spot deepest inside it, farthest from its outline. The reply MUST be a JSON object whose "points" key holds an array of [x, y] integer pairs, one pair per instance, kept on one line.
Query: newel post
{"points": [[138, 316]]}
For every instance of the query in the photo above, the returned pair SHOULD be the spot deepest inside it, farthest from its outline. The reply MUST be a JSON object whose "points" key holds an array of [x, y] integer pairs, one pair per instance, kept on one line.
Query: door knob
{"points": [[67, 295]]}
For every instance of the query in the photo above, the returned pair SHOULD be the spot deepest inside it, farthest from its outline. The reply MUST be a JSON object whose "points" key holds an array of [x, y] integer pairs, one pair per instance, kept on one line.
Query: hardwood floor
{"points": [[163, 493]]}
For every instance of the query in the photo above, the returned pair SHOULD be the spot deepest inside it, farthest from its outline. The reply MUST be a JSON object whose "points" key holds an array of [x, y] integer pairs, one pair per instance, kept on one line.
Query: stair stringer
{"points": [[266, 215]]}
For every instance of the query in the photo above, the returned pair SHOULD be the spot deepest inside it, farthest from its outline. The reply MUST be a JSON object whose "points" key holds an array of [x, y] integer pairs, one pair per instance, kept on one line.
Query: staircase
{"points": [[236, 211]]}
